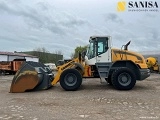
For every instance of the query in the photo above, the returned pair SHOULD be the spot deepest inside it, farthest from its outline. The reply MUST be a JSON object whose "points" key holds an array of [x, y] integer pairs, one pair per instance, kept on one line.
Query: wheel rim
{"points": [[124, 79], [70, 79]]}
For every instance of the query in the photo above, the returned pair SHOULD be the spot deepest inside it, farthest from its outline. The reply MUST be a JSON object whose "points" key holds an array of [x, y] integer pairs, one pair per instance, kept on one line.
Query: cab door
{"points": [[103, 50]]}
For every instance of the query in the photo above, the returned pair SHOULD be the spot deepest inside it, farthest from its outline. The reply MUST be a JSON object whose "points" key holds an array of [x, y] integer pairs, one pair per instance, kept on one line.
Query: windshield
{"points": [[90, 50], [97, 47]]}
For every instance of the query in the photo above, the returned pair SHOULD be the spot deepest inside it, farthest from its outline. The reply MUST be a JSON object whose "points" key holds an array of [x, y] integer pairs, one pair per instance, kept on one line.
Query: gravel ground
{"points": [[94, 101]]}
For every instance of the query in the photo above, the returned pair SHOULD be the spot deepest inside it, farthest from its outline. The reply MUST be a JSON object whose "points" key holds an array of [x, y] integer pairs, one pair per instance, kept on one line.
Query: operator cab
{"points": [[99, 50]]}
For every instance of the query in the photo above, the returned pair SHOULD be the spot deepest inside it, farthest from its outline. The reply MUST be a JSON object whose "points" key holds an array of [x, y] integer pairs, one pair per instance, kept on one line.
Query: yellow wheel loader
{"points": [[153, 65], [120, 68]]}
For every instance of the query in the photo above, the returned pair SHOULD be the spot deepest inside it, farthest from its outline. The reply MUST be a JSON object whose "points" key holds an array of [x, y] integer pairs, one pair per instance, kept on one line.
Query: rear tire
{"points": [[70, 79], [123, 79]]}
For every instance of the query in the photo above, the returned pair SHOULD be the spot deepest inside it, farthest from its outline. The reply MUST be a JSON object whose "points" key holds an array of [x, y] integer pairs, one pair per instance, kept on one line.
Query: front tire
{"points": [[70, 79], [123, 79]]}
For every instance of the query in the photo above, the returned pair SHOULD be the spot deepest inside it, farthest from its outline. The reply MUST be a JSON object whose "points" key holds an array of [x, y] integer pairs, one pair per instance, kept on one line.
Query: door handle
{"points": [[99, 56]]}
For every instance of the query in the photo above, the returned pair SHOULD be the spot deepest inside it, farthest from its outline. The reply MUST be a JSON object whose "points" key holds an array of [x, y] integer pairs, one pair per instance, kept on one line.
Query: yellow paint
{"points": [[63, 67], [152, 63], [128, 55], [87, 71], [121, 6], [28, 72]]}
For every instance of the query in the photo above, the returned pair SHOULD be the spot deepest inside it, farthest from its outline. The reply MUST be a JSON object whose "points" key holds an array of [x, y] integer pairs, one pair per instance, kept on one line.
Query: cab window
{"points": [[102, 45]]}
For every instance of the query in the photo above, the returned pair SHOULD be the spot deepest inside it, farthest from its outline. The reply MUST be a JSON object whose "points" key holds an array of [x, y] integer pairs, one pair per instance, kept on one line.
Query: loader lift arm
{"points": [[70, 64]]}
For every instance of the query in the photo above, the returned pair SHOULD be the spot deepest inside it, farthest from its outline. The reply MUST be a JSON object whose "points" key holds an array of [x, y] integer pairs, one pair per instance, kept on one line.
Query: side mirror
{"points": [[83, 55]]}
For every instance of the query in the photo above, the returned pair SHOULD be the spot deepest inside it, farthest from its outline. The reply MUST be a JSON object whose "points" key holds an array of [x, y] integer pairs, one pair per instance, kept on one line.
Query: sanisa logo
{"points": [[139, 6], [142, 4]]}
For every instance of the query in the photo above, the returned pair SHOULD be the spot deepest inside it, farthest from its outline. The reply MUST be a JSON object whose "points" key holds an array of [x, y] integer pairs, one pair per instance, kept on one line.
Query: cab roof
{"points": [[92, 37]]}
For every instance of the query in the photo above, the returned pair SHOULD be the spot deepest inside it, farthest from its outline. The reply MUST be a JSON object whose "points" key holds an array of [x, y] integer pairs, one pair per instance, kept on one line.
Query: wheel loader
{"points": [[153, 65], [119, 67]]}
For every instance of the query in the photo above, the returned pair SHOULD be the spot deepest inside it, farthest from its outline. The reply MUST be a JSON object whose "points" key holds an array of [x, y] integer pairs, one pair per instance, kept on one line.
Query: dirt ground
{"points": [[93, 101]]}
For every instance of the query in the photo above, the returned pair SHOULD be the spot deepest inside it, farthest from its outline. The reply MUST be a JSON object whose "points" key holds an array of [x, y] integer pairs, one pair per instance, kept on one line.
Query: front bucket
{"points": [[31, 76]]}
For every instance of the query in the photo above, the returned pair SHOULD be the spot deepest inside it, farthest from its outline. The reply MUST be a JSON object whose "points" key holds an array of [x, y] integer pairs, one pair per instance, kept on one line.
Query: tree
{"points": [[72, 55], [57, 56], [79, 49], [41, 53], [46, 57]]}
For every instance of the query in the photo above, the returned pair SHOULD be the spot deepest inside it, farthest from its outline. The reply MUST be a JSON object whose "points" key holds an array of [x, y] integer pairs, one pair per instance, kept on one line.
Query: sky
{"points": [[62, 25]]}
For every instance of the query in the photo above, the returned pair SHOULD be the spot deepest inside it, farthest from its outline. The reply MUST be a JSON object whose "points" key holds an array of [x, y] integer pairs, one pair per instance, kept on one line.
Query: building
{"points": [[10, 56]]}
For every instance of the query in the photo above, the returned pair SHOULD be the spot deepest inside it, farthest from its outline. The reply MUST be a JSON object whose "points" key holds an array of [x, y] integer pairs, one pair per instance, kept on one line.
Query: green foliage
{"points": [[79, 49], [44, 55]]}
